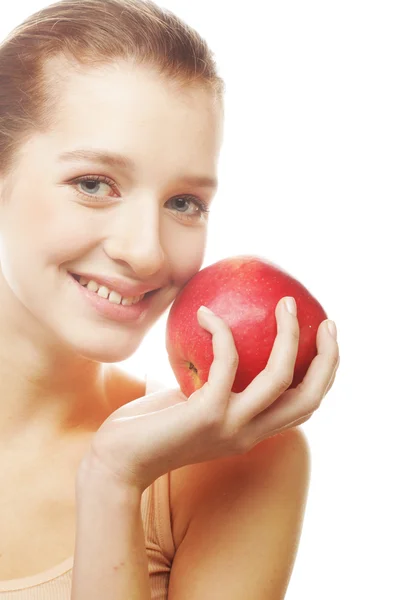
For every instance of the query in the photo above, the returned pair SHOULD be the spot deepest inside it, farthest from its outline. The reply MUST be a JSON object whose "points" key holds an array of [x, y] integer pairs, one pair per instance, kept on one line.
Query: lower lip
{"points": [[116, 312]]}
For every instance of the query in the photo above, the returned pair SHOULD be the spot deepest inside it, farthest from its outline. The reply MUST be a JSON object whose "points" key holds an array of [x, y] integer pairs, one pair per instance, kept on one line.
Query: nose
{"points": [[134, 239]]}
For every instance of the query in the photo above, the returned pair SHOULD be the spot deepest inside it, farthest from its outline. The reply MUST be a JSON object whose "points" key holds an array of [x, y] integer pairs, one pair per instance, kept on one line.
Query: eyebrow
{"points": [[114, 159]]}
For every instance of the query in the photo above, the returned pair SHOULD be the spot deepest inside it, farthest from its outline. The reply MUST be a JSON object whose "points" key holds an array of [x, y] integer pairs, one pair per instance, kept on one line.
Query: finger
{"points": [[155, 401], [271, 382], [224, 366], [294, 404], [333, 378], [291, 425], [307, 396], [257, 430], [321, 373]]}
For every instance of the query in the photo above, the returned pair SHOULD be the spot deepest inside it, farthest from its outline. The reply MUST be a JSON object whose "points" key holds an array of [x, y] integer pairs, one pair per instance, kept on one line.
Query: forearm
{"points": [[110, 561]]}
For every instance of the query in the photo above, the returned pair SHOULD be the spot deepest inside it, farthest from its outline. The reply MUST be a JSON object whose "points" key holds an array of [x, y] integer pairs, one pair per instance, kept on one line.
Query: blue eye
{"points": [[201, 207], [96, 180], [93, 181]]}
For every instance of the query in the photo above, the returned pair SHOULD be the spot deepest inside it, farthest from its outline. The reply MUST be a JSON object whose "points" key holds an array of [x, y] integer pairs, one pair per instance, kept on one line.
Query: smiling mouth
{"points": [[111, 295]]}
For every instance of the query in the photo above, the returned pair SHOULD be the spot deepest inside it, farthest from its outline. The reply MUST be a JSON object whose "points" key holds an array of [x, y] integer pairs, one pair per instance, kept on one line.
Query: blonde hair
{"points": [[93, 33]]}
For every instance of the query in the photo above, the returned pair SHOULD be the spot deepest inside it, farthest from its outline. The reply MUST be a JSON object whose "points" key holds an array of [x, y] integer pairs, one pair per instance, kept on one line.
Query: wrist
{"points": [[95, 476], [110, 559]]}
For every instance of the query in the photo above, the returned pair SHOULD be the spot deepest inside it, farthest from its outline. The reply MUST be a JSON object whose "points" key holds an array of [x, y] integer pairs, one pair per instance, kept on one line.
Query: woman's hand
{"points": [[163, 431]]}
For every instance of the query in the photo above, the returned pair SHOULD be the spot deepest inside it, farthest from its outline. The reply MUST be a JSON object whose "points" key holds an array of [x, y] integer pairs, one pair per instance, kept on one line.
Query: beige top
{"points": [[55, 584]]}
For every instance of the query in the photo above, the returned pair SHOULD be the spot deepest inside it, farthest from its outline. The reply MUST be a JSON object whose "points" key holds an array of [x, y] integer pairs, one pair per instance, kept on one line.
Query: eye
{"points": [[200, 207], [93, 182]]}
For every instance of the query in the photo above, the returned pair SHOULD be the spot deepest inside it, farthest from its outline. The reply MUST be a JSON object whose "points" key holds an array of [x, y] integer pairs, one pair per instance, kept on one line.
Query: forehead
{"points": [[131, 102]]}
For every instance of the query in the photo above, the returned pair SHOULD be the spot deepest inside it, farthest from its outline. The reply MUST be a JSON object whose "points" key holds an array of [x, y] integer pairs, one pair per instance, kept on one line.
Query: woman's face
{"points": [[141, 222]]}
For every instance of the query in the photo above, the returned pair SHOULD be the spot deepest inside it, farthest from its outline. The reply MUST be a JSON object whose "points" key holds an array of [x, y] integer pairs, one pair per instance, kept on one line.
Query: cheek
{"points": [[66, 241], [25, 227], [31, 217], [186, 255], [42, 229]]}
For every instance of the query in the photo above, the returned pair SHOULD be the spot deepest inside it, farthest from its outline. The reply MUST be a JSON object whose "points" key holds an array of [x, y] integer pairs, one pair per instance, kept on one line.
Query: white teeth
{"points": [[127, 301], [112, 296], [103, 292], [115, 298], [92, 286]]}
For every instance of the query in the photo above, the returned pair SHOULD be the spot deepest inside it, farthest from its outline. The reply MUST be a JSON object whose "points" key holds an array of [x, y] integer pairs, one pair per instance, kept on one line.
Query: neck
{"points": [[46, 388]]}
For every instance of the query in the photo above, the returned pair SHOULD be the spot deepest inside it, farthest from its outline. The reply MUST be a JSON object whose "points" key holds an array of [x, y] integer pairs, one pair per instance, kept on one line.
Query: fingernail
{"points": [[206, 310], [291, 305], [332, 329]]}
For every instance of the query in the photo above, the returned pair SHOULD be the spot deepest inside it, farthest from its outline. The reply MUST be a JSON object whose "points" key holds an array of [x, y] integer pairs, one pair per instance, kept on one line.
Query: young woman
{"points": [[111, 122]]}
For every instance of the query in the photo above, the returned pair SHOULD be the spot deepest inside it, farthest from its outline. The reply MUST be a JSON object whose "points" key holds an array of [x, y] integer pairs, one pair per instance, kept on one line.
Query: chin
{"points": [[106, 346]]}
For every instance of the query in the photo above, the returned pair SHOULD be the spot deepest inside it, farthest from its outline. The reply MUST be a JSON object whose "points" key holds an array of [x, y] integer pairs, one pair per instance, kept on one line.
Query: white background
{"points": [[309, 178]]}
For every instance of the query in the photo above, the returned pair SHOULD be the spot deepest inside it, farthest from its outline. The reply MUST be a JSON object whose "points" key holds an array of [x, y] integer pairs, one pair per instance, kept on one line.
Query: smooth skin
{"points": [[65, 409], [239, 505], [141, 223], [240, 522], [170, 431]]}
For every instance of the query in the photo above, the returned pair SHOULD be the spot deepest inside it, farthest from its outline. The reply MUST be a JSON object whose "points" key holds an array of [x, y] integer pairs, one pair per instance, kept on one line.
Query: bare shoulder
{"points": [[282, 461], [237, 522]]}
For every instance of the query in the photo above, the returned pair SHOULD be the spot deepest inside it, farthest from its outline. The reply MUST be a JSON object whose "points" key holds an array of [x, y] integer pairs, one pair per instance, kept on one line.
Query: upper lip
{"points": [[122, 286]]}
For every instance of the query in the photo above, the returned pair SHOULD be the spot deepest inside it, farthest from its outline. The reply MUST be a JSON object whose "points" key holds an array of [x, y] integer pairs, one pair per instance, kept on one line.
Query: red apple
{"points": [[244, 292]]}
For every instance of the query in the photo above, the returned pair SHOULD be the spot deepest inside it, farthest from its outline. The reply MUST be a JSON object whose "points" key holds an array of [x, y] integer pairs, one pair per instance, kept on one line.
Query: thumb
{"points": [[150, 403]]}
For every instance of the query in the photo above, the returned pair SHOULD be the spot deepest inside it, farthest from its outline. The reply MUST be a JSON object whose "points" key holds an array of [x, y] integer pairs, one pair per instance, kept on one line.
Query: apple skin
{"points": [[244, 291]]}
